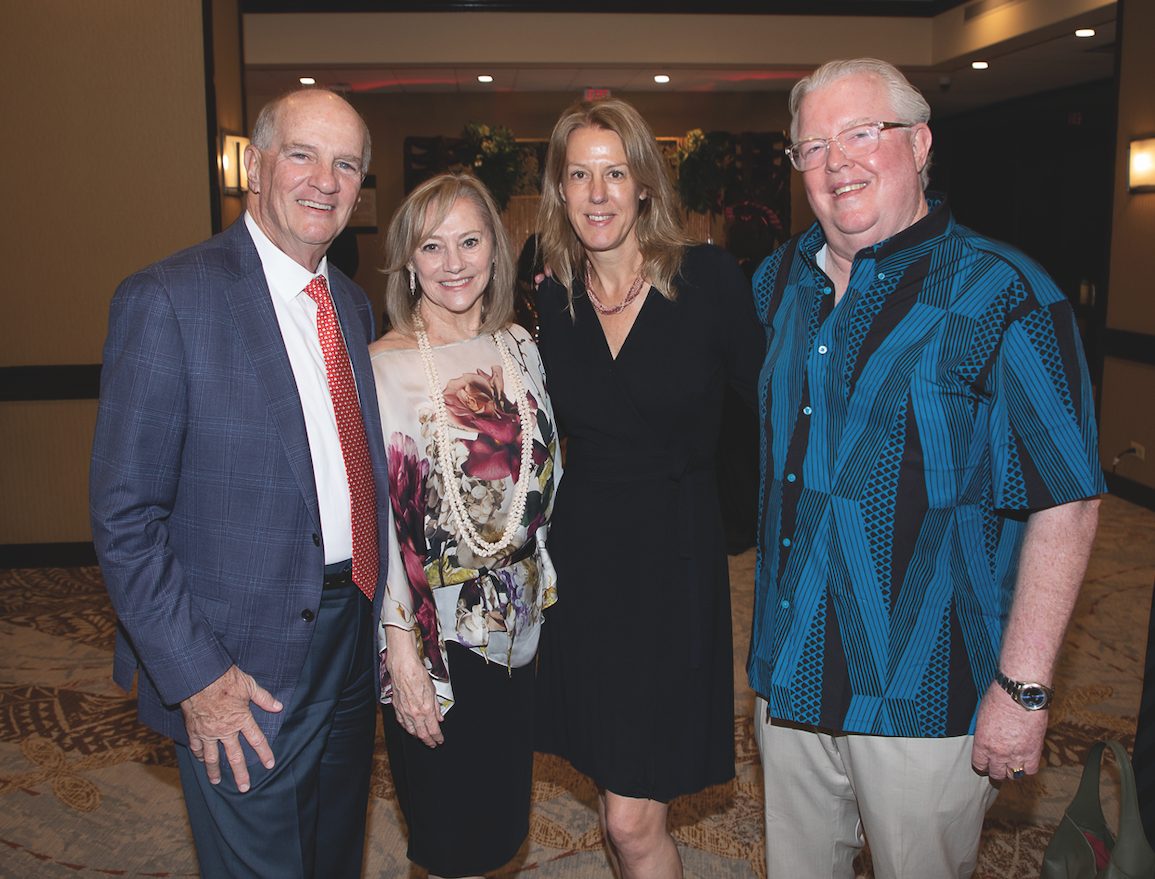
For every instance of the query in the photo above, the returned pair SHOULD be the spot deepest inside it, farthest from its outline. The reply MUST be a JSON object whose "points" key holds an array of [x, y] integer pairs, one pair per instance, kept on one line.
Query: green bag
{"points": [[1071, 851]]}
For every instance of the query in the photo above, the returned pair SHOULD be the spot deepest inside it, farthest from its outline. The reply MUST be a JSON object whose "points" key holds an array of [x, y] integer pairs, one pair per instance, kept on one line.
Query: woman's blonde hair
{"points": [[409, 228], [659, 229]]}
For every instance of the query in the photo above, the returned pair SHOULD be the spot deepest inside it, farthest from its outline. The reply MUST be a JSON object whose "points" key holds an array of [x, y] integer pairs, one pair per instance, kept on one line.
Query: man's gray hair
{"points": [[265, 129], [907, 102]]}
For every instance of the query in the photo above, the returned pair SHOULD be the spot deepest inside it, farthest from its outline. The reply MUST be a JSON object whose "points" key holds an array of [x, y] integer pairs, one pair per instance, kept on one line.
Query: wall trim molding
{"points": [[1126, 345], [1130, 490], [47, 555], [68, 382]]}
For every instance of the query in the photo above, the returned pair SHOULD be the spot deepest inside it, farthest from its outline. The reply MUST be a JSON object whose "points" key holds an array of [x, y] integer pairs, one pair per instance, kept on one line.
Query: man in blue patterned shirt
{"points": [[929, 483]]}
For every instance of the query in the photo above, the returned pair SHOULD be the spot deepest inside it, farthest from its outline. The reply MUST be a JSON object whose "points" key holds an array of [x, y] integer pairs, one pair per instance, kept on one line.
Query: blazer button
{"points": [[307, 615], [316, 539]]}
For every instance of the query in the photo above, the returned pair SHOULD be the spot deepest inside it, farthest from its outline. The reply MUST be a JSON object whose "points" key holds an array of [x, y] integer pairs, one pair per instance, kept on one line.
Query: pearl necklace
{"points": [[635, 289], [466, 530]]}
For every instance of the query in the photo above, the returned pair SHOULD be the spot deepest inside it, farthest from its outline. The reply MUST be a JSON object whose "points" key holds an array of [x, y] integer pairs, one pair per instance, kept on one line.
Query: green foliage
{"points": [[494, 157], [705, 168]]}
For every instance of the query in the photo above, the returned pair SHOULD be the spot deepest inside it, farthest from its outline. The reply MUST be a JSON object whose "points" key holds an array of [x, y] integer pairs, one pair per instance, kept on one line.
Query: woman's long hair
{"points": [[659, 229], [408, 229]]}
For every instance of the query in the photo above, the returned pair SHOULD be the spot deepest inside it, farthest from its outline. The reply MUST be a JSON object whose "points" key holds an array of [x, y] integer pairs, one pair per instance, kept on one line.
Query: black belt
{"points": [[339, 575], [524, 551]]}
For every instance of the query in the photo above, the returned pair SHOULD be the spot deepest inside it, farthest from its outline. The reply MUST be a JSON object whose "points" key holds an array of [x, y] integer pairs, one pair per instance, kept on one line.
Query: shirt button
{"points": [[882, 276], [806, 410], [826, 290], [821, 349], [307, 615], [316, 539], [784, 604], [790, 477], [785, 541]]}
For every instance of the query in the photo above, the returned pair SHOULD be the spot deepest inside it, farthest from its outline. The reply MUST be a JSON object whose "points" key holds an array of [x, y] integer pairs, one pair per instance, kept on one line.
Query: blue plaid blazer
{"points": [[203, 502]]}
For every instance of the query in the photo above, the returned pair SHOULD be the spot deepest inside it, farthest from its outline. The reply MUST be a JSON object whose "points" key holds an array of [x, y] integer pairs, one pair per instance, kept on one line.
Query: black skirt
{"points": [[466, 802]]}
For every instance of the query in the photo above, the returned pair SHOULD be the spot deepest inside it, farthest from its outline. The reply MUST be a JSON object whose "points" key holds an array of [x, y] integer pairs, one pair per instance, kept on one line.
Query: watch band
{"points": [[1030, 695]]}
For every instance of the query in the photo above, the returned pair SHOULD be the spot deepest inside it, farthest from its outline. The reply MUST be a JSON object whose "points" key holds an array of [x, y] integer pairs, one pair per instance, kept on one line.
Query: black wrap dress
{"points": [[635, 669]]}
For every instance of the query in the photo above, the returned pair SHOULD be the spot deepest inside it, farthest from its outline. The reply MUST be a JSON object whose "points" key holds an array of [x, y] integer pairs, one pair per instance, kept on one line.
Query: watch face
{"points": [[1033, 697]]}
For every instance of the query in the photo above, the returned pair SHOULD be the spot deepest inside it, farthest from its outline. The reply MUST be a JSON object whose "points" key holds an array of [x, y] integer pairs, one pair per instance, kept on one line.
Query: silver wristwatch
{"points": [[1033, 697]]}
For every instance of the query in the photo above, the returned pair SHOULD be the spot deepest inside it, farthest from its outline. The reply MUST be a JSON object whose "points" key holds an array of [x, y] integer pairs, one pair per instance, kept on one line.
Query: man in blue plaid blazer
{"points": [[221, 511]]}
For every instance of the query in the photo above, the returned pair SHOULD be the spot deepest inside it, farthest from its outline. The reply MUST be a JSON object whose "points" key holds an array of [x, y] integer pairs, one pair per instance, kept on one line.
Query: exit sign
{"points": [[594, 94]]}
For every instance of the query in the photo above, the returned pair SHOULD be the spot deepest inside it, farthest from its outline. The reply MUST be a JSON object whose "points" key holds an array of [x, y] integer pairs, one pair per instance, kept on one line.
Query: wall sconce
{"points": [[1141, 168], [236, 179]]}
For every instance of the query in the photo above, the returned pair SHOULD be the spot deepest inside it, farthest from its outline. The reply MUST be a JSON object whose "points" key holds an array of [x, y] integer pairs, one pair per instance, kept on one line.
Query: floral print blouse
{"points": [[436, 585]]}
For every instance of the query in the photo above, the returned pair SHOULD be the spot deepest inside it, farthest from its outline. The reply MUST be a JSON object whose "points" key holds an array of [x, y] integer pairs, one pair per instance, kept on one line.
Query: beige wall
{"points": [[1132, 296], [392, 118], [105, 141], [1128, 415], [1128, 402], [105, 111], [44, 470]]}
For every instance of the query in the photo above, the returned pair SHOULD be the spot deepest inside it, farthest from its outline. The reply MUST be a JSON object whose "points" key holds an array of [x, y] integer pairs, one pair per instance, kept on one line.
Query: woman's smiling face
{"points": [[454, 262], [600, 193]]}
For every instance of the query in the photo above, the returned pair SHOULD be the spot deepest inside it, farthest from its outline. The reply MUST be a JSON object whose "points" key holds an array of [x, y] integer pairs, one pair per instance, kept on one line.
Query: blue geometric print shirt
{"points": [[907, 434]]}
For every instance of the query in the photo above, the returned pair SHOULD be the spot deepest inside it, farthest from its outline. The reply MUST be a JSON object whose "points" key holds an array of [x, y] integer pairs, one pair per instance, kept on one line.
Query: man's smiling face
{"points": [[862, 201], [304, 186]]}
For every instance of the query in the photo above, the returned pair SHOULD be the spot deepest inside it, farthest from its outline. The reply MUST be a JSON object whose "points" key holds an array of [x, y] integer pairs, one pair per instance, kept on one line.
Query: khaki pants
{"points": [[918, 801]]}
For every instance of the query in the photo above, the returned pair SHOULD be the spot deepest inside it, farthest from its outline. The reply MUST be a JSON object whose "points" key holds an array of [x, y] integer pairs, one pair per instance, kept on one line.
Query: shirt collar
{"points": [[285, 275], [936, 223]]}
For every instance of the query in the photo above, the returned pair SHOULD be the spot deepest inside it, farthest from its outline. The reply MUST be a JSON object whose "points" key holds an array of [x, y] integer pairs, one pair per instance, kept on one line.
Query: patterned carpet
{"points": [[85, 791]]}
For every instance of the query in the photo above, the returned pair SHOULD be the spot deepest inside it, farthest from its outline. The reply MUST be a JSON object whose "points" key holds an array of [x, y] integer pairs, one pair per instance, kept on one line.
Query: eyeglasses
{"points": [[856, 142]]}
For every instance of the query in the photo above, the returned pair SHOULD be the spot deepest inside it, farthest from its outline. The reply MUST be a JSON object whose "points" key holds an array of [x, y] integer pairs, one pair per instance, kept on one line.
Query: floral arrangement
{"points": [[494, 157], [705, 168]]}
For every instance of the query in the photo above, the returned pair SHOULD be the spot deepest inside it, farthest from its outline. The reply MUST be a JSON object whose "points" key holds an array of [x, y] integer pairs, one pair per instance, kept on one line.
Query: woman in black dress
{"points": [[640, 330]]}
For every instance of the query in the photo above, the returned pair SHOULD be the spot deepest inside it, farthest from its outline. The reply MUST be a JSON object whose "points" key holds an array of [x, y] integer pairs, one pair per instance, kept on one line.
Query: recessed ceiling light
{"points": [[979, 65], [1085, 32], [661, 77], [485, 77], [308, 80]]}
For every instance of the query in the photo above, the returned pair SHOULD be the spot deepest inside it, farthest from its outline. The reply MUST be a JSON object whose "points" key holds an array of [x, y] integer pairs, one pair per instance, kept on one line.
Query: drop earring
{"points": [[412, 283]]}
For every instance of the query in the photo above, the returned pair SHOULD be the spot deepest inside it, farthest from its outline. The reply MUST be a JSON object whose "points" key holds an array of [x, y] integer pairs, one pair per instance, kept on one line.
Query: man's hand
{"points": [[1052, 562], [1007, 736], [218, 715]]}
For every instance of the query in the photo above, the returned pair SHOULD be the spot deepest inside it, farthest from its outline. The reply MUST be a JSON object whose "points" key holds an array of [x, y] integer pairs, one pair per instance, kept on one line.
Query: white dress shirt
{"points": [[297, 316]]}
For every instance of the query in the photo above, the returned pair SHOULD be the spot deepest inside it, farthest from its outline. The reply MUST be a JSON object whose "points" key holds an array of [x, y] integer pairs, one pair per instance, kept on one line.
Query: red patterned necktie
{"points": [[354, 446]]}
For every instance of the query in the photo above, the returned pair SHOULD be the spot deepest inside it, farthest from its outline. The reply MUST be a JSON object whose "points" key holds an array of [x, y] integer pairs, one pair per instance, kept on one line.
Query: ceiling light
{"points": [[661, 77], [485, 77], [308, 80], [979, 65], [1085, 32]]}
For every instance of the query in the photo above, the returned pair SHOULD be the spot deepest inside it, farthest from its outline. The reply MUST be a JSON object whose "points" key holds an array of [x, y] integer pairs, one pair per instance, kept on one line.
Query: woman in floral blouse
{"points": [[473, 460]]}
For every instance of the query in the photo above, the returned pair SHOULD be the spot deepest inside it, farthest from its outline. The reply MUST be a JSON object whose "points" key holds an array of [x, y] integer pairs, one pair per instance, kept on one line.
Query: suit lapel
{"points": [[260, 335]]}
